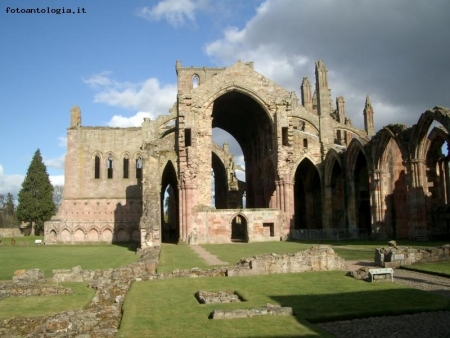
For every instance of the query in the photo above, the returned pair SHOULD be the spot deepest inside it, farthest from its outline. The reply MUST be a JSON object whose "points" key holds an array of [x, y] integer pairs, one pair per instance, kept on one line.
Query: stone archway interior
{"points": [[169, 205], [337, 197], [307, 197], [362, 193], [243, 118]]}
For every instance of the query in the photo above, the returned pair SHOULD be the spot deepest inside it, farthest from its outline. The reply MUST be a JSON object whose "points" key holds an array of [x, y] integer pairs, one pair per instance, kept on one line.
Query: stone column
{"points": [[289, 208], [417, 197]]}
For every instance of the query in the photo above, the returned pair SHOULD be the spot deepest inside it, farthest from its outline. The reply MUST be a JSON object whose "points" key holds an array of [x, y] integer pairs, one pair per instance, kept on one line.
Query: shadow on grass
{"points": [[131, 246], [344, 306]]}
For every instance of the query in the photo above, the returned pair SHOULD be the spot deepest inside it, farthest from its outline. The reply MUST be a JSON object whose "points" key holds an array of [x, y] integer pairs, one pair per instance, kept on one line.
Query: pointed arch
{"points": [[307, 196], [419, 135], [334, 191], [169, 204], [126, 165], [97, 157]]}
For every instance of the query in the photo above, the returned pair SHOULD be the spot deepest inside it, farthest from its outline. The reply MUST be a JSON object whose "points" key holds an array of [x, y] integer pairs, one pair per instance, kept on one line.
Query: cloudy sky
{"points": [[117, 60]]}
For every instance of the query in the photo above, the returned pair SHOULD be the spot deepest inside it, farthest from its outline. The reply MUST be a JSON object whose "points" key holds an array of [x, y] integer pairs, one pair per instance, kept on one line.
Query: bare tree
{"points": [[58, 191]]}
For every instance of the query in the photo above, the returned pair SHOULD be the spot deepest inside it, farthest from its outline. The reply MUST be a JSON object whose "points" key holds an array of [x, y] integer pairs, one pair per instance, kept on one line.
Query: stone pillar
{"points": [[377, 196], [289, 207], [446, 179], [306, 94], [324, 106], [417, 197]]}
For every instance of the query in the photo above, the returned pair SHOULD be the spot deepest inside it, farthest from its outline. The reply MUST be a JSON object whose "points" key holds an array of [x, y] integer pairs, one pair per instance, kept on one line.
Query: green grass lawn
{"points": [[167, 308], [181, 257], [173, 310], [49, 257], [49, 305]]}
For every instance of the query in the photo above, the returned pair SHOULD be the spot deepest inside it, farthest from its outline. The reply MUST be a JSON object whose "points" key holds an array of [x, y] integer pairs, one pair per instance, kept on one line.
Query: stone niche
{"points": [[215, 297]]}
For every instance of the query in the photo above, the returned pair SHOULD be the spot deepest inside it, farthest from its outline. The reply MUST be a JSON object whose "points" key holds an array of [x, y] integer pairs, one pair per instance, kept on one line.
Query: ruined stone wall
{"points": [[396, 257], [10, 232], [103, 209], [317, 258], [215, 226]]}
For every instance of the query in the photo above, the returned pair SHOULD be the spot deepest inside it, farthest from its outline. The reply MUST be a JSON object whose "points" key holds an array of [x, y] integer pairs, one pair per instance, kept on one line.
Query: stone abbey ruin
{"points": [[307, 168]]}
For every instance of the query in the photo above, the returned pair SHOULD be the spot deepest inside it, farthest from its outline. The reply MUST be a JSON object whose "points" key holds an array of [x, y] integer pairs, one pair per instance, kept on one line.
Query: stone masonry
{"points": [[306, 168]]}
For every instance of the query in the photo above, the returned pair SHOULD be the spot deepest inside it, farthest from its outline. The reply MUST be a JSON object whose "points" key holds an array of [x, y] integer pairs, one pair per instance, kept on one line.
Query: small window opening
{"points": [[126, 166], [305, 143], [97, 167], [139, 168], [110, 167], [269, 228], [195, 81], [187, 137], [284, 136]]}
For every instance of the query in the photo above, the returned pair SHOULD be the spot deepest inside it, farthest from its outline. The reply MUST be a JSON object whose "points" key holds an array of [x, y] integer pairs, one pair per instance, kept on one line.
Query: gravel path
{"points": [[431, 324]]}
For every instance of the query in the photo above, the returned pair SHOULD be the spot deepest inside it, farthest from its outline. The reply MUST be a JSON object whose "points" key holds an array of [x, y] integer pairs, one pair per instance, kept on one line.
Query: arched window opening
{"points": [[195, 81], [97, 167], [139, 168], [126, 166], [110, 167]]}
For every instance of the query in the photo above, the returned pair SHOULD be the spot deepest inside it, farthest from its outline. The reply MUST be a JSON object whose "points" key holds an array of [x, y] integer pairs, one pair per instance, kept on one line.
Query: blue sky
{"points": [[117, 61]]}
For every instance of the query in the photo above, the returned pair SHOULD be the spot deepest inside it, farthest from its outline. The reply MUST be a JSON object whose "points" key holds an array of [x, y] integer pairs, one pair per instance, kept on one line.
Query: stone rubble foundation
{"points": [[101, 318], [268, 310]]}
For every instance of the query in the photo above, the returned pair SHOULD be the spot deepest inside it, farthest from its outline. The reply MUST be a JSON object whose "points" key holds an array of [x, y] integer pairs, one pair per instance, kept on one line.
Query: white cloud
{"points": [[56, 163], [124, 122], [100, 80], [175, 12], [10, 183], [56, 179], [149, 98]]}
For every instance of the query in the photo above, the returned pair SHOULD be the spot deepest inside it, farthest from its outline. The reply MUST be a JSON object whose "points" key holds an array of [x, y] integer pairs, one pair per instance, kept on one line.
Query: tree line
{"points": [[37, 201]]}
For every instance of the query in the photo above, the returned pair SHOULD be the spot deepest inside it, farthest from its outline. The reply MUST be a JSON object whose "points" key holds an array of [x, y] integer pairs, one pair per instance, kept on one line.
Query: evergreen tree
{"points": [[36, 196]]}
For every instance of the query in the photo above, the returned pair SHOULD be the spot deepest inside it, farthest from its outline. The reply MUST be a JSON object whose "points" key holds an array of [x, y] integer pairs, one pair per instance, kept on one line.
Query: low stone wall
{"points": [[317, 258], [10, 232], [28, 290], [394, 257]]}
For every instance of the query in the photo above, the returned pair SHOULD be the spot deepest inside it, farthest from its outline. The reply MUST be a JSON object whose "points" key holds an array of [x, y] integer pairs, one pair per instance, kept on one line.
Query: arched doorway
{"points": [[239, 229], [170, 231], [307, 197]]}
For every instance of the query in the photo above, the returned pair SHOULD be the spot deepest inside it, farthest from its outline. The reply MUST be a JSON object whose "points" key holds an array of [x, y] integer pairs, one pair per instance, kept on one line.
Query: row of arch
{"points": [[82, 235]]}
